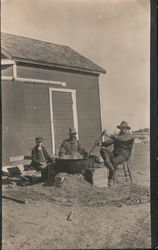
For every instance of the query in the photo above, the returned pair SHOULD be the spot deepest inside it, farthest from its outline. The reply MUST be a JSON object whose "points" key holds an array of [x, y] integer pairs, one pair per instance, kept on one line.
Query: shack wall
{"points": [[26, 108]]}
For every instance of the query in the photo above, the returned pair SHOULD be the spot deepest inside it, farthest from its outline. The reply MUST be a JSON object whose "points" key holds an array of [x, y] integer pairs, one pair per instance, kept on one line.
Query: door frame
{"points": [[74, 111]]}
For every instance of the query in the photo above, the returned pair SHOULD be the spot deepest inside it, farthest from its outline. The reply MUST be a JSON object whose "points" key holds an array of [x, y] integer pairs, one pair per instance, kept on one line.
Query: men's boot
{"points": [[110, 178], [44, 174]]}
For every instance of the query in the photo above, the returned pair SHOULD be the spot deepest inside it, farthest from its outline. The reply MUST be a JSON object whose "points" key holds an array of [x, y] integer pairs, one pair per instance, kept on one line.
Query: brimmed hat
{"points": [[39, 139], [123, 124], [72, 131]]}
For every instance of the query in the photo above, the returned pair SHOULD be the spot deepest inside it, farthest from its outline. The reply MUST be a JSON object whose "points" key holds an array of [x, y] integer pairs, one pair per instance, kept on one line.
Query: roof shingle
{"points": [[36, 51]]}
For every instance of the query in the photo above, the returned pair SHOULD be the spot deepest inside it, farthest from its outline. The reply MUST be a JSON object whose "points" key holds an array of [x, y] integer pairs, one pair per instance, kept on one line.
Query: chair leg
{"points": [[124, 171], [129, 172]]}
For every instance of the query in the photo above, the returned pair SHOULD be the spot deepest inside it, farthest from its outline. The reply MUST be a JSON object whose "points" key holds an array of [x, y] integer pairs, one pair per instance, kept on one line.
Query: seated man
{"points": [[71, 147], [122, 143], [41, 160]]}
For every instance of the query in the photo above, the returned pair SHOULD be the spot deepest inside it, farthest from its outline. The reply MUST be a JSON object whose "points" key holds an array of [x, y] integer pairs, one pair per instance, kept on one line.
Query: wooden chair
{"points": [[126, 172], [125, 166], [126, 169]]}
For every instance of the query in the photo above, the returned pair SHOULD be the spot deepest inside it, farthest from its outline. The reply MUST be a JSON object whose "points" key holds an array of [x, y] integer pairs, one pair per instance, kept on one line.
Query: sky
{"points": [[115, 34]]}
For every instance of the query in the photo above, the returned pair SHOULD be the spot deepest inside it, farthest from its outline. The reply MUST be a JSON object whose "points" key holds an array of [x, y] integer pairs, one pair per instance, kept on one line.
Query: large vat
{"points": [[73, 166]]}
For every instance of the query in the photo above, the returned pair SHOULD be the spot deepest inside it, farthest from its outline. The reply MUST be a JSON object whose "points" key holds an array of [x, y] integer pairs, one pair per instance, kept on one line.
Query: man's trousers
{"points": [[111, 161]]}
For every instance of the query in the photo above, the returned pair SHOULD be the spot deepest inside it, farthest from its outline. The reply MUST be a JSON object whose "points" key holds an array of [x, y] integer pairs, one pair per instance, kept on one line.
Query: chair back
{"points": [[131, 147]]}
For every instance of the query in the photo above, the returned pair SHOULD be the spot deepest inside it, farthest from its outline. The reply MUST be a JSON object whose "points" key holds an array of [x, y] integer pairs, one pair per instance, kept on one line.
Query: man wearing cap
{"points": [[122, 143], [71, 148], [41, 160]]}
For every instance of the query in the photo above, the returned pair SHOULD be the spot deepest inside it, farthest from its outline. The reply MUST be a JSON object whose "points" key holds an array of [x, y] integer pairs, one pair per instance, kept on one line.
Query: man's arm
{"points": [[47, 156], [81, 150], [62, 150], [108, 142]]}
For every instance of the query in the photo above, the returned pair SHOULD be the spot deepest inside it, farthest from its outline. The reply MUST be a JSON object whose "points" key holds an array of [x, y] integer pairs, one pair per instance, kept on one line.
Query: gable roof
{"points": [[39, 52]]}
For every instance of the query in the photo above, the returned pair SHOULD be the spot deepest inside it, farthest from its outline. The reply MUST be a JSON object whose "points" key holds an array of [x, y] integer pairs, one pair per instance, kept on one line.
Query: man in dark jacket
{"points": [[122, 143], [71, 148], [41, 160]]}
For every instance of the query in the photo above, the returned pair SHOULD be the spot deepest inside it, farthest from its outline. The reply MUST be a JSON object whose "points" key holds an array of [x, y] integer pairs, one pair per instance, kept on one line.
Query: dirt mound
{"points": [[75, 190]]}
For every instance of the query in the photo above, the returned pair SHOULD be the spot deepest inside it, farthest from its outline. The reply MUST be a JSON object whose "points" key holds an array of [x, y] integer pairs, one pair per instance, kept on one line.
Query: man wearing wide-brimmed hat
{"points": [[71, 148], [122, 143], [41, 160]]}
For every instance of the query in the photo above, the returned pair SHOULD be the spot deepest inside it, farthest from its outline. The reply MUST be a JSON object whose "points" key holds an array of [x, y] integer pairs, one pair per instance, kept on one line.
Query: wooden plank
{"points": [[27, 157], [16, 158], [14, 199], [5, 168], [19, 166], [20, 158]]}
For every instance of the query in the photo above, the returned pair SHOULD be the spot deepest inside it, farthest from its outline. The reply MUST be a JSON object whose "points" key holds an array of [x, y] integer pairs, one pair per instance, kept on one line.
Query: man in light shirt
{"points": [[71, 148]]}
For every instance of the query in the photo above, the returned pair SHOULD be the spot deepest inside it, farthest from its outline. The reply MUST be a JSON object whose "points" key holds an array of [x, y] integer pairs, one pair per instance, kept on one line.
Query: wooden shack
{"points": [[46, 88]]}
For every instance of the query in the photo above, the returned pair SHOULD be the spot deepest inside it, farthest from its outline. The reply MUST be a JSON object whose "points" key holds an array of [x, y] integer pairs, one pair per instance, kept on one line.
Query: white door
{"points": [[63, 113]]}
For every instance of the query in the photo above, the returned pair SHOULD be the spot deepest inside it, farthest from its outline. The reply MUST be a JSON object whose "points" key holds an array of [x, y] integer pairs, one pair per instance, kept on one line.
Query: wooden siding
{"points": [[37, 114], [26, 109], [13, 123], [25, 115], [87, 94], [36, 72], [6, 70]]}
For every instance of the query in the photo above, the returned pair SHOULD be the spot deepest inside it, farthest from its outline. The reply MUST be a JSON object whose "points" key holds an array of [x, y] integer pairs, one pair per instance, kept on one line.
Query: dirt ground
{"points": [[104, 218]]}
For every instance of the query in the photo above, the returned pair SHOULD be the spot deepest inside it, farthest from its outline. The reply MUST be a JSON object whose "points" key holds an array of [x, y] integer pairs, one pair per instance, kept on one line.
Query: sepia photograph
{"points": [[75, 91]]}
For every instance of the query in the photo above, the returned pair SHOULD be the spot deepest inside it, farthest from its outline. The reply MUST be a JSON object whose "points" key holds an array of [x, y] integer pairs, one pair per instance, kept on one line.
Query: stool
{"points": [[126, 170]]}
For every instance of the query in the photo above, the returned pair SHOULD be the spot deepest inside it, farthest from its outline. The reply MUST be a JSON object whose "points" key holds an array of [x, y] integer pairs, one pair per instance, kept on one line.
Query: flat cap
{"points": [[39, 139]]}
